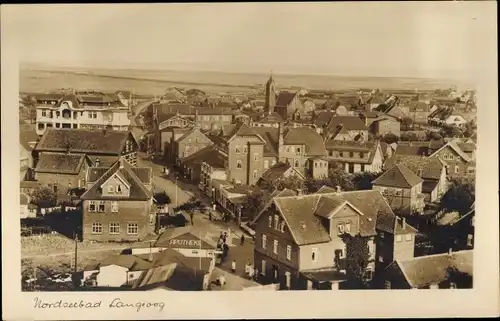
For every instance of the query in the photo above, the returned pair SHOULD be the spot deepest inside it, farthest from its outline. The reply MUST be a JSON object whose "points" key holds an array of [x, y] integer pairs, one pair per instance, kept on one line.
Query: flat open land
{"points": [[151, 82]]}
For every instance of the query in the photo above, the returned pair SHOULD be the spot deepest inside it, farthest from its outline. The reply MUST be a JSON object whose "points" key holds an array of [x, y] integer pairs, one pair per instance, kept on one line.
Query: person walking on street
{"points": [[233, 266], [251, 272], [242, 239]]}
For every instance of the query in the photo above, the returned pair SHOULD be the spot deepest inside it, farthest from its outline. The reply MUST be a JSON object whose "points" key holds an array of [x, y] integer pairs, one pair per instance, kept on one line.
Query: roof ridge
{"points": [[112, 169], [436, 255]]}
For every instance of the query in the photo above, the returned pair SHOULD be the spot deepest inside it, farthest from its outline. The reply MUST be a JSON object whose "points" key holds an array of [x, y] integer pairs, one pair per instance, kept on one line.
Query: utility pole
{"points": [[76, 252]]}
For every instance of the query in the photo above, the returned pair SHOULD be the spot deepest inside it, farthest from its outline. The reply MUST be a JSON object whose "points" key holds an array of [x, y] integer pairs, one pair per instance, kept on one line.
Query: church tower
{"points": [[270, 95]]}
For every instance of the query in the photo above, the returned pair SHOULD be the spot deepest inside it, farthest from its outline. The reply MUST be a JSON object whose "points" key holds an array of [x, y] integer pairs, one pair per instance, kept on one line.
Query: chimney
{"points": [[97, 162], [337, 189]]}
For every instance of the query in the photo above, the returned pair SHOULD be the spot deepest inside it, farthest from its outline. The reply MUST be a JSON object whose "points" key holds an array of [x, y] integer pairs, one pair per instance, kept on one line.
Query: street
{"points": [[240, 253]]}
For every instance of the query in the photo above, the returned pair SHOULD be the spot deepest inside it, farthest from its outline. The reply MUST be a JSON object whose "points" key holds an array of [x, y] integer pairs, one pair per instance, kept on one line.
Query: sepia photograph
{"points": [[246, 147]]}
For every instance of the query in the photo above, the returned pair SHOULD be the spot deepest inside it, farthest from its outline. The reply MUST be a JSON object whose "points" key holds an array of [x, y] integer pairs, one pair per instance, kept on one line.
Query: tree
{"points": [[461, 280], [390, 138], [459, 197], [407, 122], [190, 206], [468, 129], [434, 136], [338, 177], [255, 201], [44, 197], [363, 180], [451, 131], [409, 136], [356, 261], [291, 182]]}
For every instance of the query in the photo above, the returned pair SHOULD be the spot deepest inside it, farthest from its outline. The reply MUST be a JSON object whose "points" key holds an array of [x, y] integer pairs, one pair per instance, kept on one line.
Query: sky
{"points": [[406, 39]]}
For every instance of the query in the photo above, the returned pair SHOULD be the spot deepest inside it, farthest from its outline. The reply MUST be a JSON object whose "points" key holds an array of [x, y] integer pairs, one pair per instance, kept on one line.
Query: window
{"points": [[58, 125], [111, 189], [114, 206], [237, 149], [361, 155], [275, 247], [314, 255], [340, 228], [408, 237], [398, 192], [297, 163], [96, 228], [264, 241], [101, 207], [266, 164], [263, 267], [254, 174], [119, 188], [348, 227], [351, 168], [276, 221], [387, 284], [58, 113], [362, 167], [351, 154], [399, 238], [381, 259], [41, 126], [289, 252], [298, 151], [238, 164], [288, 149], [114, 228], [44, 113], [282, 228], [456, 169], [316, 165], [255, 156], [92, 207], [245, 150], [132, 228], [270, 221]]}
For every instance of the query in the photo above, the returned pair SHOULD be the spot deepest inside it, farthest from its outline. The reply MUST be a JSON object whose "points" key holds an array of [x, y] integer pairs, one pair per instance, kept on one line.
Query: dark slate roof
{"points": [[432, 269], [349, 122], [412, 150], [265, 117], [285, 98], [59, 163], [270, 135], [137, 189], [425, 167], [322, 119], [350, 146], [131, 262], [467, 147], [84, 141], [398, 176], [145, 174]]}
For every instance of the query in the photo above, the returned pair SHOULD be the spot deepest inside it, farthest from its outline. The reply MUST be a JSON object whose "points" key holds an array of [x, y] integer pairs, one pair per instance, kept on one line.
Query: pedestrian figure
{"points": [[233, 266], [247, 269], [222, 281], [256, 274], [242, 239], [225, 249], [210, 215], [251, 272]]}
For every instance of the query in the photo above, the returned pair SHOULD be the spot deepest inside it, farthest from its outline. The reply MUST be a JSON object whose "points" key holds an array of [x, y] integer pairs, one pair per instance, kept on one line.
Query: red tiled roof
{"points": [[398, 176], [137, 189]]}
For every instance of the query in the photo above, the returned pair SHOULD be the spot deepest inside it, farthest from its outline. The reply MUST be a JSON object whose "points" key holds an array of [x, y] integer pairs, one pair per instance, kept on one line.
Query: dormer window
{"points": [[340, 228], [347, 227]]}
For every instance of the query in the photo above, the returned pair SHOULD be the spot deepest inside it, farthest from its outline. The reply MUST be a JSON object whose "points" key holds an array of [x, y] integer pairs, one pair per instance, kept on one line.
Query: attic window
{"points": [[111, 189], [119, 188]]}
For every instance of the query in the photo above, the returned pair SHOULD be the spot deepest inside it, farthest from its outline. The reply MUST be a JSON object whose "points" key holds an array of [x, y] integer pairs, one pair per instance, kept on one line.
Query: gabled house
{"points": [[419, 111], [432, 170], [356, 157], [187, 144], [117, 203], [289, 106], [271, 177], [429, 272], [346, 128], [298, 239], [61, 171], [385, 125], [458, 163], [402, 188], [120, 144], [266, 119], [173, 94]]}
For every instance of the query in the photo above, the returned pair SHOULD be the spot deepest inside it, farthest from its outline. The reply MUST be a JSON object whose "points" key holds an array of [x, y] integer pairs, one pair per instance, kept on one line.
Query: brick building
{"points": [[117, 204], [299, 238], [458, 163]]}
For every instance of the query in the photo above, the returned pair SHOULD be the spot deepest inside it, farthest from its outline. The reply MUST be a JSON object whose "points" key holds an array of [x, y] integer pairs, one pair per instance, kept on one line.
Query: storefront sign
{"points": [[185, 243]]}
